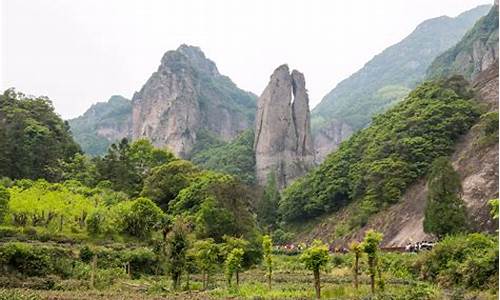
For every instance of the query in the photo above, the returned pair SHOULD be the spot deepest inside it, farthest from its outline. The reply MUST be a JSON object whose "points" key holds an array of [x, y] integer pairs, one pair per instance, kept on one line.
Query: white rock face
{"points": [[283, 142]]}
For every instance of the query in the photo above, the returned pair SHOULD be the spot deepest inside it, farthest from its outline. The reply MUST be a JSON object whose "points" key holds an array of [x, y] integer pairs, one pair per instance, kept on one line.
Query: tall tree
{"points": [[33, 138], [177, 246], [445, 212], [371, 245], [315, 258], [267, 246], [267, 207]]}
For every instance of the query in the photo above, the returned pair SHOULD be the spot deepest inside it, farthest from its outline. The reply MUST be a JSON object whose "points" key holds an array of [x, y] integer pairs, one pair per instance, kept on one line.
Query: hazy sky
{"points": [[82, 51]]}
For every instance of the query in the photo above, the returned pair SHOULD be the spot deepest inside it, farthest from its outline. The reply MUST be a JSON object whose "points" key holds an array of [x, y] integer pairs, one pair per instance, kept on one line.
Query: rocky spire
{"points": [[283, 142]]}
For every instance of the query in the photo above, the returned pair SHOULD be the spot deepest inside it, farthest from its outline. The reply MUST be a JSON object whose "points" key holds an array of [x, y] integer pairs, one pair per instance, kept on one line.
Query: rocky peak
{"points": [[186, 94], [283, 143]]}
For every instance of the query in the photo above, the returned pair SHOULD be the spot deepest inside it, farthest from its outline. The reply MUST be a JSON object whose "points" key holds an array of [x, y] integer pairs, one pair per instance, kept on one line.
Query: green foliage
{"points": [[494, 208], [4, 202], [220, 204], [236, 157], [80, 168], [126, 165], [451, 62], [387, 78], [142, 218], [206, 255], [166, 181], [33, 138], [370, 245], [488, 126], [177, 247], [43, 204], [32, 260], [233, 264], [470, 261], [115, 114], [267, 206], [378, 163], [316, 256], [267, 247], [445, 211]]}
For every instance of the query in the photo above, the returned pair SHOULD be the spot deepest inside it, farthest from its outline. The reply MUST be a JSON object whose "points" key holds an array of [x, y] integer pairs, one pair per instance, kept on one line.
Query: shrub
{"points": [[468, 260]]}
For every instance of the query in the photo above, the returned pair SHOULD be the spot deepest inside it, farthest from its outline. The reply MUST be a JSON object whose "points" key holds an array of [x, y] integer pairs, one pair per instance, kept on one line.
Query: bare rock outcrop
{"points": [[328, 138], [283, 142], [186, 95]]}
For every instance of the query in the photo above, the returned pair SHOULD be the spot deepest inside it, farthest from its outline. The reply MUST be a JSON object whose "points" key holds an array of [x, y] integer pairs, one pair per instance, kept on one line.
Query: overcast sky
{"points": [[82, 51]]}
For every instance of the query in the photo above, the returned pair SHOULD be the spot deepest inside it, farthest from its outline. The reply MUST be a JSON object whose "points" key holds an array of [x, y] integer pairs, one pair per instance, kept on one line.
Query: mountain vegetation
{"points": [[472, 53], [33, 138], [102, 124], [390, 75], [378, 163], [236, 157]]}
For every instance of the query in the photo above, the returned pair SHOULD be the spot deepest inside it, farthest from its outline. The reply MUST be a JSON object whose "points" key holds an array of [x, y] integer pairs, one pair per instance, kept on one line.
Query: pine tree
{"points": [[445, 211]]}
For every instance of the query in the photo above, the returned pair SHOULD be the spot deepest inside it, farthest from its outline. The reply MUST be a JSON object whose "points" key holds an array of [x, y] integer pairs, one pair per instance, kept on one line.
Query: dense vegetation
{"points": [[114, 114], [235, 157], [390, 75], [456, 60], [33, 138], [378, 163], [445, 211]]}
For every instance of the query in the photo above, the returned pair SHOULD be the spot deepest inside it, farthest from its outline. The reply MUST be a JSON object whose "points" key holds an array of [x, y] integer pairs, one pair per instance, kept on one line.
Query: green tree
{"points": [[33, 138], [445, 211], [126, 165], [315, 258], [142, 218], [4, 202], [233, 265], [371, 244], [267, 246], [207, 254], [177, 247], [166, 181], [80, 168], [267, 207], [357, 249]]}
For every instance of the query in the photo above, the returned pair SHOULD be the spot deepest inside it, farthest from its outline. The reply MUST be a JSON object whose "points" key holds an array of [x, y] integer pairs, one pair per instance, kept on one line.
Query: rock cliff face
{"points": [[283, 142], [328, 138], [185, 95]]}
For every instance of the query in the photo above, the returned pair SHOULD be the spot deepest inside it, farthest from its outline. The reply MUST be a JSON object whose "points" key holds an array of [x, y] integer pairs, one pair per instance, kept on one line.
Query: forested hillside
{"points": [[377, 164], [477, 50], [386, 79], [102, 124]]}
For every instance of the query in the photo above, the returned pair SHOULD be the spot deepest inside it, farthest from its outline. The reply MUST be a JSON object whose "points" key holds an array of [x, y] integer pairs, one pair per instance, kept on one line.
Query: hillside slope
{"points": [[102, 124], [476, 160], [477, 50], [385, 79]]}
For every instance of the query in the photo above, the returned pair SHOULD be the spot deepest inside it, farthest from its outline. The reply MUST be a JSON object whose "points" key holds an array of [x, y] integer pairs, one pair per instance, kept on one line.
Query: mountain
{"points": [[185, 95], [477, 50], [474, 157], [283, 142], [102, 124], [472, 152], [185, 105], [385, 79]]}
